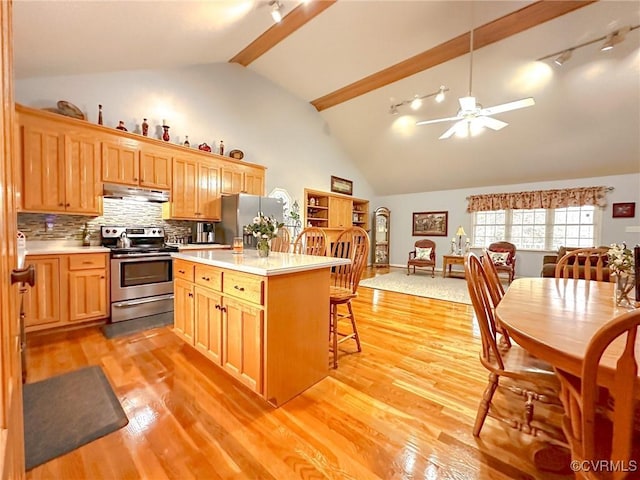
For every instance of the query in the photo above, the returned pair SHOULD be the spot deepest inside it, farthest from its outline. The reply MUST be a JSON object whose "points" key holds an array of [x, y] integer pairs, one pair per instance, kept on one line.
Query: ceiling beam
{"points": [[499, 29], [291, 22]]}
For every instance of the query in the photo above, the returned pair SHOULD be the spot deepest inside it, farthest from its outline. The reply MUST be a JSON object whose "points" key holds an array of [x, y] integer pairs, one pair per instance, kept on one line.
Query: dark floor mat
{"points": [[65, 412], [119, 329]]}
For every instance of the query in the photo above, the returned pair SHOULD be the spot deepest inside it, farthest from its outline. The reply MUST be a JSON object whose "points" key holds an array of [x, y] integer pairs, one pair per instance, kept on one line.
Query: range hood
{"points": [[133, 193]]}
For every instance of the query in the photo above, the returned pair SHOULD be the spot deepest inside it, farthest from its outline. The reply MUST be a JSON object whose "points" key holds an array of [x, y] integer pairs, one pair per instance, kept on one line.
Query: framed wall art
{"points": [[341, 185], [430, 224], [624, 210]]}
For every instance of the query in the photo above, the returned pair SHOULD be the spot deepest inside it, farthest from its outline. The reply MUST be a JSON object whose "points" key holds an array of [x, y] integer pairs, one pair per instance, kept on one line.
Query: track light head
{"points": [[276, 10], [614, 38], [440, 96], [563, 57], [393, 110], [416, 103]]}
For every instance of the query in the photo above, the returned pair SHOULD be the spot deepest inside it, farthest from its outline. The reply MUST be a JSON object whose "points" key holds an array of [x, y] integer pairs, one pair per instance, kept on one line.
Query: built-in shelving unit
{"points": [[334, 212]]}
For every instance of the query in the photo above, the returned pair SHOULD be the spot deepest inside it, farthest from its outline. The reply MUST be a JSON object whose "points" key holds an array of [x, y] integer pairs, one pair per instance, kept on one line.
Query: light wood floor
{"points": [[401, 409]]}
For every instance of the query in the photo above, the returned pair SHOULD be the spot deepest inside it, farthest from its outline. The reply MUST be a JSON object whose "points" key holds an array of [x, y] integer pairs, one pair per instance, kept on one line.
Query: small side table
{"points": [[448, 260]]}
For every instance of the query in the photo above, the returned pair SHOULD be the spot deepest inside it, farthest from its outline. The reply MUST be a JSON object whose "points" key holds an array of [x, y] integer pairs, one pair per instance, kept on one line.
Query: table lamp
{"points": [[460, 233]]}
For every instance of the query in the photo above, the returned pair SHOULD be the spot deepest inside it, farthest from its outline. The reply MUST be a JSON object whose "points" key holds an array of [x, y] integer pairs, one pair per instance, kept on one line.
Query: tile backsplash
{"points": [[116, 212]]}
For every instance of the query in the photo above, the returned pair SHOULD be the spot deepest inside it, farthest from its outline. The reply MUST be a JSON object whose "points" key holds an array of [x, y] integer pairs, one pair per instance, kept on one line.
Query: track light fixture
{"points": [[416, 102], [610, 41], [276, 10], [563, 57]]}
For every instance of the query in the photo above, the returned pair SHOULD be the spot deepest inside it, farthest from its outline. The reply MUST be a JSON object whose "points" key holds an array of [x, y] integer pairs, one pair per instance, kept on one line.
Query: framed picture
{"points": [[430, 224], [340, 185], [627, 210]]}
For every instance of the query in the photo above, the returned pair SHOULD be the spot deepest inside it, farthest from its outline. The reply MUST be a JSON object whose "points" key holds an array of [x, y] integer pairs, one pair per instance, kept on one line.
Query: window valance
{"points": [[559, 198]]}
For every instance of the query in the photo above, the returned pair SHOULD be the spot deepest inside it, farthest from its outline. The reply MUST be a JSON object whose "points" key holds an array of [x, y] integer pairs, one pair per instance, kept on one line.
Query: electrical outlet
{"points": [[48, 226]]}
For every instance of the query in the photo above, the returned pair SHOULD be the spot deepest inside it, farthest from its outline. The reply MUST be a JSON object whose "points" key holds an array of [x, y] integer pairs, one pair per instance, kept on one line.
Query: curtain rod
{"points": [[608, 189]]}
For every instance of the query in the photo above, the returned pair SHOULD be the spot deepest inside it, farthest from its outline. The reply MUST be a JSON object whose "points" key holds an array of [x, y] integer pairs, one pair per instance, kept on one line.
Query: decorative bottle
{"points": [[99, 114], [165, 134], [221, 147], [86, 236], [186, 141], [145, 127]]}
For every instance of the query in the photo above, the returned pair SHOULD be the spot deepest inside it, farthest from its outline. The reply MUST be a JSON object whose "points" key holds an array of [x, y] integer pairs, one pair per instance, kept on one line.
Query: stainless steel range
{"points": [[141, 272]]}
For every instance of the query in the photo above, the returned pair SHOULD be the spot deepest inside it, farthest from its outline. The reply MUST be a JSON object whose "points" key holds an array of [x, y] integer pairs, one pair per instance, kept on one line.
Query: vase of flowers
{"points": [[264, 228], [621, 265]]}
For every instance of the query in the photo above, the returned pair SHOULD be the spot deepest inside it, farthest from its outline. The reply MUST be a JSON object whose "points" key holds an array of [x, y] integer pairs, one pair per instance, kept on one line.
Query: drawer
{"points": [[210, 277], [182, 269], [246, 287], [87, 261]]}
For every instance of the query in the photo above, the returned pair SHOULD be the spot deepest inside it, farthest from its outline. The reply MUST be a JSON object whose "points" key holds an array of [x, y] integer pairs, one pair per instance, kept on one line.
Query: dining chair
{"points": [[608, 434], [503, 255], [496, 292], [311, 241], [352, 243], [587, 263], [514, 363], [280, 243]]}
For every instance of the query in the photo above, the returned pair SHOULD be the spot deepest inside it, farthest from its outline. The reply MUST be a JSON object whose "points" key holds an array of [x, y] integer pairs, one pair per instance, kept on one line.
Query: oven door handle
{"points": [[136, 257], [142, 301]]}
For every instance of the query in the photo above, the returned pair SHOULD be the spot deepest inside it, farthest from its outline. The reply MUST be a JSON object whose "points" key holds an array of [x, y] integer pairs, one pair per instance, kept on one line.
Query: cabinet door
{"points": [[209, 205], [208, 323], [340, 212], [120, 164], [254, 181], [183, 310], [42, 301], [82, 177], [242, 342], [43, 187], [87, 294], [155, 170], [184, 191], [232, 179]]}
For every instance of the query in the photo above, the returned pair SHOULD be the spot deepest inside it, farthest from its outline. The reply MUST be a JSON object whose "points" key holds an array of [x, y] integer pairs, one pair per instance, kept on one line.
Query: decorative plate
{"points": [[70, 110], [237, 154]]}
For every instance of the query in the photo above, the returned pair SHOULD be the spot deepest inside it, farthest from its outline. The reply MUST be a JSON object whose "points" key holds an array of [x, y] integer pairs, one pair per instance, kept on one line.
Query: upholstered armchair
{"points": [[503, 255], [422, 256]]}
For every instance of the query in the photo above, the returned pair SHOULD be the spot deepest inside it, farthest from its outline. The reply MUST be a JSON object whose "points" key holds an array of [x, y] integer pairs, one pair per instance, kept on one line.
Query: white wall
{"points": [[626, 189], [209, 103]]}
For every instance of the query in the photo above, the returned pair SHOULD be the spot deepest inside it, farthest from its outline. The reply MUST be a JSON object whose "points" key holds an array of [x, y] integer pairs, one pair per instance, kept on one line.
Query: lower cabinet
{"points": [[69, 289], [225, 329]]}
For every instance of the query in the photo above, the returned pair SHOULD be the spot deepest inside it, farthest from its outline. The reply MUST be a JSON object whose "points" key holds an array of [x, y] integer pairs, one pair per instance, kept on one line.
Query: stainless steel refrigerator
{"points": [[239, 210]]}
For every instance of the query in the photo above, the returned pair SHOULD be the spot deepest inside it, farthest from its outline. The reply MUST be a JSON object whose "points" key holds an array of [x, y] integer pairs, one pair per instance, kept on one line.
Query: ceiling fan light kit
{"points": [[472, 118], [276, 10]]}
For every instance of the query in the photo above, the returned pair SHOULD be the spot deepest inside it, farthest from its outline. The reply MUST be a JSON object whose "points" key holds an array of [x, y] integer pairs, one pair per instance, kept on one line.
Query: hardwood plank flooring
{"points": [[403, 408]]}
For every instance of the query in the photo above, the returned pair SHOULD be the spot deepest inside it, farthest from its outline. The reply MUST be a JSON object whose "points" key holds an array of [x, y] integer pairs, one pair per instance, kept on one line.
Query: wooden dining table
{"points": [[554, 319]]}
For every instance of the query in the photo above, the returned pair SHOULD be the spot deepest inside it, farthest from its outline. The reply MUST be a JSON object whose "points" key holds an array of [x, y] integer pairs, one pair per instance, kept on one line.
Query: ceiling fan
{"points": [[472, 117]]}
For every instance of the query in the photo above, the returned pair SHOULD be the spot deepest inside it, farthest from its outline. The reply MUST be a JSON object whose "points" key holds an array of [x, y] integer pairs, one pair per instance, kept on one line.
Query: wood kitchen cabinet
{"points": [[334, 212], [155, 168], [120, 163], [195, 190], [242, 179], [60, 168], [340, 212], [69, 289], [208, 323], [183, 308]]}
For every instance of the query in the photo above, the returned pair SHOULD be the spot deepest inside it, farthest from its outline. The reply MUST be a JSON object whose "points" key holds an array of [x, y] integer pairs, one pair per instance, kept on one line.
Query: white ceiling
{"points": [[586, 121]]}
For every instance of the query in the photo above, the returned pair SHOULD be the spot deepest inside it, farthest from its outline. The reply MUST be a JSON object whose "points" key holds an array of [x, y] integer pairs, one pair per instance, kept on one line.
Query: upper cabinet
{"points": [[64, 163], [60, 168], [242, 179]]}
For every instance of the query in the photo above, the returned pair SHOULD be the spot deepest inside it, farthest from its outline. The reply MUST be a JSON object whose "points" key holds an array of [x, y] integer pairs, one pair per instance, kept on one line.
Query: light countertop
{"points": [[249, 262], [200, 246], [54, 247]]}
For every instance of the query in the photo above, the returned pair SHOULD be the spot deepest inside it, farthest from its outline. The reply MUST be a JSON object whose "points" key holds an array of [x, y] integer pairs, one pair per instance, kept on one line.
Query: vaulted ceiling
{"points": [[352, 59]]}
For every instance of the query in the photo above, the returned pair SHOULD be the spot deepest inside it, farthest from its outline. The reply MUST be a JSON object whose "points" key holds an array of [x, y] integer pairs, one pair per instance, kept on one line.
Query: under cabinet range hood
{"points": [[133, 193]]}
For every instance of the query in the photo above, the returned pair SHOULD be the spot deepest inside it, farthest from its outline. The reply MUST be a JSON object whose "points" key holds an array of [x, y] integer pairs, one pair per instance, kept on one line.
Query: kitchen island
{"points": [[265, 321]]}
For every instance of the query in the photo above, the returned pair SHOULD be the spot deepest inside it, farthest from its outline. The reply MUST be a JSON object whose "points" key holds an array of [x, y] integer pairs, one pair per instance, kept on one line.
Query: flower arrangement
{"points": [[264, 228], [620, 259]]}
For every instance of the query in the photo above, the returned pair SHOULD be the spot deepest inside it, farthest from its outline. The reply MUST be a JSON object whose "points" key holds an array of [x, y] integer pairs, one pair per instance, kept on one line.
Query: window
{"points": [[538, 229]]}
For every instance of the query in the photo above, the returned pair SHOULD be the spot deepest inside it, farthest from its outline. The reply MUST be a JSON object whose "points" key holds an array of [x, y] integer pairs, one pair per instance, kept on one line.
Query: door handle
{"points": [[24, 275]]}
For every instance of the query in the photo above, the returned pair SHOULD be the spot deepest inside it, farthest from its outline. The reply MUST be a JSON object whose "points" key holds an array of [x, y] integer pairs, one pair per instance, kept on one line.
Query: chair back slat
{"points": [[311, 241], [590, 261], [353, 243], [280, 243], [478, 285], [496, 290]]}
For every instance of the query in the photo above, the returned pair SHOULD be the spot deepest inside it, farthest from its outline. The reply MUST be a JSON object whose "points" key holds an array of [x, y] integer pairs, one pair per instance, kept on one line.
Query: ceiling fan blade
{"points": [[505, 107], [437, 120], [491, 123], [453, 129]]}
